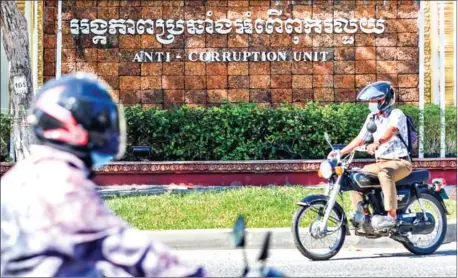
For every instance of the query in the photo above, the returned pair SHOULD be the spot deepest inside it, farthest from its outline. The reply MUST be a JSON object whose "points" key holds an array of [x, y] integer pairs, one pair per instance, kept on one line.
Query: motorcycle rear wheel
{"points": [[441, 225], [335, 222]]}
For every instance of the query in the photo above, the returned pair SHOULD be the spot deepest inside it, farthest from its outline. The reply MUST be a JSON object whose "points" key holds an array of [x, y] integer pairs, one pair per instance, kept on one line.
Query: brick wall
{"points": [[392, 55]]}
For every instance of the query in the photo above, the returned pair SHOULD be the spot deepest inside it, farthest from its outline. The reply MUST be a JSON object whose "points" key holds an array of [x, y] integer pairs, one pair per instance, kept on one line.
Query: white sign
{"points": [[20, 85], [167, 29], [236, 56]]}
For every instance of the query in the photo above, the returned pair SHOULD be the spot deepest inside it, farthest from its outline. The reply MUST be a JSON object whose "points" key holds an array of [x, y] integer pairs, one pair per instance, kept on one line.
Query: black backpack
{"points": [[412, 136]]}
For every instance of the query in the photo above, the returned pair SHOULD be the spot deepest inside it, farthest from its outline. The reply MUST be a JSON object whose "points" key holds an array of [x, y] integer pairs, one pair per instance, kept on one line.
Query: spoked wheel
{"points": [[425, 244], [310, 240]]}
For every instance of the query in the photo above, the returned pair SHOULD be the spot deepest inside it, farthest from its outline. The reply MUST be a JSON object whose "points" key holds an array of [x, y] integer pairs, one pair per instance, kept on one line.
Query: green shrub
{"points": [[432, 115], [5, 127], [248, 132]]}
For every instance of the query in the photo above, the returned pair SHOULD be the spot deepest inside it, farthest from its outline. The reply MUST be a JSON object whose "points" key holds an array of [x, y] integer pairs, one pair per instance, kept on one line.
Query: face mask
{"points": [[99, 160], [373, 107]]}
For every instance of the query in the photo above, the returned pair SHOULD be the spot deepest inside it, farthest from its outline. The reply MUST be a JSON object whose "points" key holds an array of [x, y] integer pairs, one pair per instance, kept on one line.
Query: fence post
{"points": [[454, 53], [35, 46], [59, 40], [421, 87], [442, 77], [434, 39]]}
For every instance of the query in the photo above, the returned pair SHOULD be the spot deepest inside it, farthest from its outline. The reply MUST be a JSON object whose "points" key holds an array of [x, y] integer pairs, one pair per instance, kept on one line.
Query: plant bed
{"points": [[243, 144]]}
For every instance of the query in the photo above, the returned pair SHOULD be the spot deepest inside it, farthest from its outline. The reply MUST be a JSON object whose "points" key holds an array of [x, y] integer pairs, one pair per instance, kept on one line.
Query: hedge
{"points": [[249, 132], [246, 131], [432, 128], [5, 127]]}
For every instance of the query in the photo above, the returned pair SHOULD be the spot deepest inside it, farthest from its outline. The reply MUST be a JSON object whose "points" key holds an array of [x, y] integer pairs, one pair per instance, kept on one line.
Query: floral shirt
{"points": [[55, 224]]}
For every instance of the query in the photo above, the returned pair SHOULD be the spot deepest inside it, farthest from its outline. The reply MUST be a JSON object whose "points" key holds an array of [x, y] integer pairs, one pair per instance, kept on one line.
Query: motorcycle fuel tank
{"points": [[364, 179]]}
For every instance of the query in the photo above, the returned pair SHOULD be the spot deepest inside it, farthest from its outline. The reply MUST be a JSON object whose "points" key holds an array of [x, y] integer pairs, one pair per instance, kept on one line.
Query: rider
{"points": [[53, 221], [392, 157]]}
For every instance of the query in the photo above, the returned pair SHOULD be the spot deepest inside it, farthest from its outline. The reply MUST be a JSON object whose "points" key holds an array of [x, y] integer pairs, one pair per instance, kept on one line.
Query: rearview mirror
{"points": [[265, 248], [238, 232], [328, 139]]}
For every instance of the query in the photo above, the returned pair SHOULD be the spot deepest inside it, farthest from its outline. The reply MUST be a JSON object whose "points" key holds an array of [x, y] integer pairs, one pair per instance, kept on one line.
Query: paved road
{"points": [[369, 263]]}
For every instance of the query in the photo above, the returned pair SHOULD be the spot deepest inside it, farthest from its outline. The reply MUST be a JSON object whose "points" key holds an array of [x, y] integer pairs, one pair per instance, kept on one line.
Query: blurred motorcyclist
{"points": [[53, 221]]}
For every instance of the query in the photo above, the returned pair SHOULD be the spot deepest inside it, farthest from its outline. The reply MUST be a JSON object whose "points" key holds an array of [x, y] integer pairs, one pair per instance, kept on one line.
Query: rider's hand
{"points": [[372, 148], [335, 154]]}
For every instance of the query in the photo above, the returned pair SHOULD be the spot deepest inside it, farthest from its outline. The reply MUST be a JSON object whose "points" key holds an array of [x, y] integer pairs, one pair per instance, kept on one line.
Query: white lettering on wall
{"points": [[144, 56], [236, 56]]}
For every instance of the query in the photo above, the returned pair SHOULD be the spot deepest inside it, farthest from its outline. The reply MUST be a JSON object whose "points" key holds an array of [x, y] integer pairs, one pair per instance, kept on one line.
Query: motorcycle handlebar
{"points": [[271, 272], [265, 272]]}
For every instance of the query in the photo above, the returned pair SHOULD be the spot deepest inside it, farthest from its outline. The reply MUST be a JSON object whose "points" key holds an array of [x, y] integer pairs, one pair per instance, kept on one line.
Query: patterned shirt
{"points": [[55, 224], [394, 148]]}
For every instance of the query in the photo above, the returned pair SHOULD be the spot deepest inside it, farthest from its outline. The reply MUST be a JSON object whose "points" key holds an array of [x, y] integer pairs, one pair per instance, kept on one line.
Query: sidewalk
{"points": [[281, 238]]}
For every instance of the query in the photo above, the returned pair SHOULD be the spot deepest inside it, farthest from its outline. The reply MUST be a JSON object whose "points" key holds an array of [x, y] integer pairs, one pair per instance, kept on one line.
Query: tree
{"points": [[16, 43]]}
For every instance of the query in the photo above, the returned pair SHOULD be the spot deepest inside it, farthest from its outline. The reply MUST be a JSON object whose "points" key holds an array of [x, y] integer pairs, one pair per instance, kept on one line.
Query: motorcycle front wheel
{"points": [[429, 243], [311, 242]]}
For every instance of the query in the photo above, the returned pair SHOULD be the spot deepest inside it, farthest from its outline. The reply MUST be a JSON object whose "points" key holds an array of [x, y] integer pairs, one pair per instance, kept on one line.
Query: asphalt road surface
{"points": [[366, 262]]}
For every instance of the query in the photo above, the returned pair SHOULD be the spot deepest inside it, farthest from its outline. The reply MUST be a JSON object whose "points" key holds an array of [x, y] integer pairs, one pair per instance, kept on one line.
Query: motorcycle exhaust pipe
{"points": [[415, 223]]}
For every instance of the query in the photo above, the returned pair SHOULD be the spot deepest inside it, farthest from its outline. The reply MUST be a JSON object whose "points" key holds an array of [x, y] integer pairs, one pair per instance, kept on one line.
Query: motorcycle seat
{"points": [[417, 176], [370, 180]]}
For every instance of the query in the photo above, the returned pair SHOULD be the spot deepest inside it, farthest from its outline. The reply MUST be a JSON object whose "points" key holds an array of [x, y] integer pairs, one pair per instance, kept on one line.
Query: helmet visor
{"points": [[371, 94], [111, 143]]}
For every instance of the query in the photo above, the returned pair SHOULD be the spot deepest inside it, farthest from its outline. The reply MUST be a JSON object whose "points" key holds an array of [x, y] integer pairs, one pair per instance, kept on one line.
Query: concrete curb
{"points": [[142, 189], [281, 239]]}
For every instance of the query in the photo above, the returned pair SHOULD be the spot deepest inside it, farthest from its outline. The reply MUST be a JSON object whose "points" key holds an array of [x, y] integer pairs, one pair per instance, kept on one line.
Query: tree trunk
{"points": [[16, 42]]}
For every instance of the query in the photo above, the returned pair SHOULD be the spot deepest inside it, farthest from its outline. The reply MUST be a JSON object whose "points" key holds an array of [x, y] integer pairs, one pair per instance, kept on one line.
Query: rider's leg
{"points": [[390, 172], [356, 196]]}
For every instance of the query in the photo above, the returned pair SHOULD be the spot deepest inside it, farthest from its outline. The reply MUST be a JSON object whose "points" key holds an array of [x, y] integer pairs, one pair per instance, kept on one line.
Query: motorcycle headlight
{"points": [[326, 169]]}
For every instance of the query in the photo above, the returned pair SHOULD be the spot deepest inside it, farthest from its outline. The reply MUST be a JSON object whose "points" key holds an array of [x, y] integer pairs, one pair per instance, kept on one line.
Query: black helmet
{"points": [[381, 92], [77, 114]]}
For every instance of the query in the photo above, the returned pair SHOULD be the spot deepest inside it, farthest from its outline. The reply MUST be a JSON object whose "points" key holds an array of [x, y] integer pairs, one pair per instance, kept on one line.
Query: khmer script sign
{"points": [[166, 30]]}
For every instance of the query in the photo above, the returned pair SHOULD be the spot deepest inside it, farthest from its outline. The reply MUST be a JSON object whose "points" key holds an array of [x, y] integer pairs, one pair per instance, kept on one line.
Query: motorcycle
{"points": [[421, 226], [259, 269]]}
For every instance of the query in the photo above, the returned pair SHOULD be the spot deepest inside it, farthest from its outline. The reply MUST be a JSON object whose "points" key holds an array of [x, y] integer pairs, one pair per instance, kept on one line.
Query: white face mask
{"points": [[373, 107]]}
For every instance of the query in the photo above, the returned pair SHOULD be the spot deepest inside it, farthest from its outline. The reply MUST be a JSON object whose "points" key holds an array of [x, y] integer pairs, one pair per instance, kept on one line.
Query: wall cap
{"points": [[245, 166]]}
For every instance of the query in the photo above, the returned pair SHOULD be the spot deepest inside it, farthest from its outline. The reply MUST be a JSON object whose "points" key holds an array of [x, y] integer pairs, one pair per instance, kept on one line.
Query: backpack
{"points": [[412, 136]]}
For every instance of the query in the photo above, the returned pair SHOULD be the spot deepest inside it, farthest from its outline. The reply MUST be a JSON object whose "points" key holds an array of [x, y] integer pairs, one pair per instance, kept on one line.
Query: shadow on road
{"points": [[440, 253]]}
